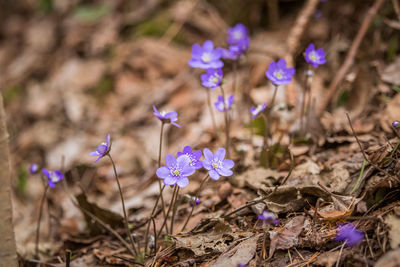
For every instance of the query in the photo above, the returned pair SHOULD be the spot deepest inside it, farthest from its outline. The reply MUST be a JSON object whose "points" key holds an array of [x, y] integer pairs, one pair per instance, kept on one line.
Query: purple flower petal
{"points": [[182, 182], [163, 172], [228, 163], [170, 161], [224, 172], [220, 154], [208, 46], [208, 154], [214, 175], [170, 180], [187, 171]]}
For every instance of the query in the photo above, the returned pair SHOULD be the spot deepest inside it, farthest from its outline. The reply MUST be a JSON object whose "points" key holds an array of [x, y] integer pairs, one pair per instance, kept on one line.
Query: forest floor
{"points": [[74, 71]]}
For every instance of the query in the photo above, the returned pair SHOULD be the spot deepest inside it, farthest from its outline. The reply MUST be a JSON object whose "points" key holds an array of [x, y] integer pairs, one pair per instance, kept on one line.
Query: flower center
{"points": [[313, 56], [278, 74], [237, 35], [206, 57], [53, 177], [215, 165], [162, 113], [176, 172]]}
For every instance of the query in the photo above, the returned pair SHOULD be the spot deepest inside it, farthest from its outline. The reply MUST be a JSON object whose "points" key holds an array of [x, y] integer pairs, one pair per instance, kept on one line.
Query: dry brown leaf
{"points": [[393, 221], [390, 73], [390, 259]]}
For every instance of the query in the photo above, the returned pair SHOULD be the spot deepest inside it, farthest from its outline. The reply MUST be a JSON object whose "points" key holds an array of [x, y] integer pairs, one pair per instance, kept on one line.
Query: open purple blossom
{"points": [[235, 51], [33, 168], [212, 78], [257, 110], [216, 164], [176, 171], [194, 157], [348, 233], [166, 117], [194, 201], [314, 56], [222, 105], [53, 177], [102, 149], [396, 125], [268, 217], [236, 34], [205, 57], [278, 73]]}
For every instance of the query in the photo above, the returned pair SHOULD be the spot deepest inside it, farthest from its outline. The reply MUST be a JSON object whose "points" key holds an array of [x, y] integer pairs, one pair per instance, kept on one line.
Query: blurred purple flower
{"points": [[236, 34], [102, 149], [278, 74], [222, 105], [348, 232], [194, 201], [53, 177], [268, 217], [235, 51], [206, 56], [194, 157], [33, 168], [176, 171], [212, 78], [396, 125], [315, 56], [317, 14], [241, 265], [257, 110], [166, 117], [216, 164]]}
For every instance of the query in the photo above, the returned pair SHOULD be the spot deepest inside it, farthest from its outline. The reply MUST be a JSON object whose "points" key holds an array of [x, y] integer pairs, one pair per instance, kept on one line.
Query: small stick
{"points": [[365, 155], [169, 209], [152, 218], [171, 228], [67, 257], [340, 254]]}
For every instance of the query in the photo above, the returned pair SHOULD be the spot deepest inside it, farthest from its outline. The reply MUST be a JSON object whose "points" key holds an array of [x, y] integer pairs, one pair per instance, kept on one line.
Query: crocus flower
{"points": [[348, 232], [236, 34], [216, 164], [194, 201], [53, 177], [268, 217], [257, 111], [396, 125], [315, 56], [222, 105], [278, 73], [212, 78], [166, 117], [102, 149], [176, 171], [194, 157], [33, 168], [206, 56]]}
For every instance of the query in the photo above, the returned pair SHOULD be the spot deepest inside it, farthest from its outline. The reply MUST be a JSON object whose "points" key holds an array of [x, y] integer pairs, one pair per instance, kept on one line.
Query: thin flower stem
{"points": [[165, 218], [265, 144], [159, 165], [171, 228], [38, 223], [152, 217], [194, 204], [234, 77], [128, 232], [306, 91], [268, 127], [211, 110], [226, 117]]}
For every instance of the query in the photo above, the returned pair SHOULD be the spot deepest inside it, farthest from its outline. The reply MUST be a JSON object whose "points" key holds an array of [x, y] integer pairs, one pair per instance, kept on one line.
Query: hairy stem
{"points": [[194, 204], [169, 209], [159, 165], [128, 232], [226, 117], [152, 218], [211, 110], [171, 228], [39, 220]]}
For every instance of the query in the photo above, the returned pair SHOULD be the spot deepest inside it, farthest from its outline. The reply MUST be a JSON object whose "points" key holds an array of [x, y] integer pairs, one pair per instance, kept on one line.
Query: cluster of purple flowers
{"points": [[177, 170], [238, 40], [53, 177]]}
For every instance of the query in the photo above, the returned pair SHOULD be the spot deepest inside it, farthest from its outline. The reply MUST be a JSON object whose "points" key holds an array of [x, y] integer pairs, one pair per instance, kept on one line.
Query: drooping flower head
{"points": [[278, 74], [194, 201], [194, 157], [33, 168], [257, 110], [205, 57], [166, 117], [348, 232], [176, 171], [396, 125], [268, 217], [212, 78], [222, 105], [314, 56], [216, 164], [236, 34], [53, 177], [102, 149]]}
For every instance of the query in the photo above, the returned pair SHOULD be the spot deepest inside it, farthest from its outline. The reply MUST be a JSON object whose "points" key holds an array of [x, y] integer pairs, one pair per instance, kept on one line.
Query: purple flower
{"points": [[176, 171], [194, 201], [396, 125], [235, 51], [278, 73], [241, 265], [212, 78], [222, 105], [102, 149], [166, 117], [53, 177], [206, 56], [348, 232], [268, 217], [33, 168], [257, 111], [216, 164], [194, 157], [236, 34], [315, 56]]}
